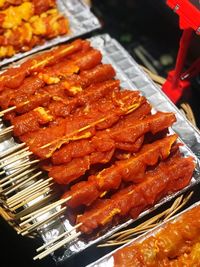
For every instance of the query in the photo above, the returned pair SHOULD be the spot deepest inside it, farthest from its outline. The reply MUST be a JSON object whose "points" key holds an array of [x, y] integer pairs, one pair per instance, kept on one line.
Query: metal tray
{"points": [[81, 20], [133, 78], [108, 260]]}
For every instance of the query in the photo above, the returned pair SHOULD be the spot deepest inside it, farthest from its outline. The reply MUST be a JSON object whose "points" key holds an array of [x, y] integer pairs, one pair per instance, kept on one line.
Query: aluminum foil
{"points": [[108, 260], [133, 78], [81, 20]]}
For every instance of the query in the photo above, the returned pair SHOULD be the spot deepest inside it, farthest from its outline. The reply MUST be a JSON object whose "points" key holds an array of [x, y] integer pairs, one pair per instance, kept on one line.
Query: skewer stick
{"points": [[58, 237], [11, 150], [44, 210], [29, 163], [35, 63], [2, 172], [13, 154], [17, 177], [56, 246], [3, 112], [40, 203], [40, 210], [17, 197], [22, 198], [15, 174], [44, 62], [6, 131], [12, 185], [16, 158], [17, 165], [71, 136], [31, 228], [23, 183], [32, 197], [41, 186], [29, 188]]}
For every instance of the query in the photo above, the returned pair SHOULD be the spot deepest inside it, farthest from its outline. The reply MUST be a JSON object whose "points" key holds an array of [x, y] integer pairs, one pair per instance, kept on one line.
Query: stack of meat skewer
{"points": [[112, 156], [25, 24]]}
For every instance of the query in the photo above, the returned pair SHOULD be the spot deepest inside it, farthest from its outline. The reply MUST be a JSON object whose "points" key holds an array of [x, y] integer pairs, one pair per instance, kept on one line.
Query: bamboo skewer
{"points": [[2, 172], [42, 63], [31, 228], [151, 221], [71, 136], [14, 159], [176, 209], [15, 166], [32, 197], [63, 52], [44, 191], [147, 225], [40, 211], [15, 178], [44, 210], [6, 131], [24, 197], [29, 163], [22, 183], [56, 246], [17, 174], [26, 189], [26, 201], [40, 203], [3, 112], [58, 237], [13, 154], [30, 188], [11, 186], [11, 150], [18, 196]]}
